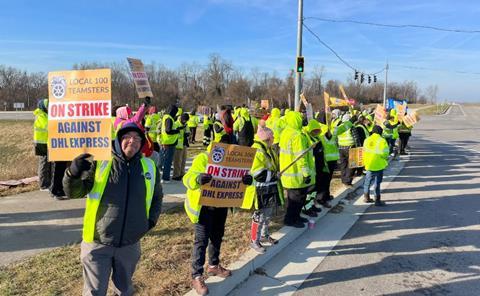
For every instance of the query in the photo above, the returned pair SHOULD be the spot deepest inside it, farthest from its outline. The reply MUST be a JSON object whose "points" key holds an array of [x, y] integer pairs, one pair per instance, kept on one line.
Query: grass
{"points": [[17, 159], [434, 109], [166, 257]]}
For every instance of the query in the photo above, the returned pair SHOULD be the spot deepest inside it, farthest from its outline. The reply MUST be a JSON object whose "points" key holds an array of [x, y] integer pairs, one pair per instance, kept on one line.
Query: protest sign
{"points": [[336, 102], [79, 111], [355, 157], [401, 108], [380, 115], [411, 119], [140, 78], [227, 164], [326, 101]]}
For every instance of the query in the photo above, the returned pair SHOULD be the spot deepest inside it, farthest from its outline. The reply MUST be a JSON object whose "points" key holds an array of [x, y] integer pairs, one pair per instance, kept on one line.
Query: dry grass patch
{"points": [[17, 159], [164, 268]]}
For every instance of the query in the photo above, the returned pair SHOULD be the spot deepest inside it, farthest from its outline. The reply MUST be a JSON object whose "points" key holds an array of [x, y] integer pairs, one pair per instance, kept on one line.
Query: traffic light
{"points": [[369, 79], [356, 75], [362, 78], [300, 64], [374, 78]]}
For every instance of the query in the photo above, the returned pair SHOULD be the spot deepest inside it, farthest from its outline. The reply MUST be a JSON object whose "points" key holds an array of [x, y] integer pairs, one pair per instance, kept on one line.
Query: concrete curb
{"points": [[251, 260]]}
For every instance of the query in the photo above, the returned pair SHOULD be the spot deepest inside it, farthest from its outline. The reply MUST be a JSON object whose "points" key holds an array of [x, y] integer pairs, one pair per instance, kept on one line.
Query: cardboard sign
{"points": [[355, 157], [79, 111], [227, 164], [264, 104], [336, 102], [411, 119], [140, 78], [326, 101], [401, 108], [380, 115]]}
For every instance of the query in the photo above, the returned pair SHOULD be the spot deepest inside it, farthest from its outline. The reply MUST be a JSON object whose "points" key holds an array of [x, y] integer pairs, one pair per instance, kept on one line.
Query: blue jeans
{"points": [[166, 160], [373, 177]]}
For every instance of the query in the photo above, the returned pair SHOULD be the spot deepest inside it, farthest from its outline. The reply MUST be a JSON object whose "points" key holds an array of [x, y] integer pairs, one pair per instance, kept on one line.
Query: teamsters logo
{"points": [[148, 176], [217, 154], [59, 87]]}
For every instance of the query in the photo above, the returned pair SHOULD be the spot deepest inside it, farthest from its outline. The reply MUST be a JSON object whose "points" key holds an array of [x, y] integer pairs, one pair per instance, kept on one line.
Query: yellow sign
{"points": [[326, 101], [227, 164], [79, 111], [355, 157], [140, 78], [336, 102], [401, 110], [380, 115]]}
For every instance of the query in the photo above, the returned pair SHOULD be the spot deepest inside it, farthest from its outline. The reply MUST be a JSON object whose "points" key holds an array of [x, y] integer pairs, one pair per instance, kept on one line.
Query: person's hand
{"points": [[147, 101], [353, 119], [80, 164], [204, 178], [307, 179], [247, 179]]}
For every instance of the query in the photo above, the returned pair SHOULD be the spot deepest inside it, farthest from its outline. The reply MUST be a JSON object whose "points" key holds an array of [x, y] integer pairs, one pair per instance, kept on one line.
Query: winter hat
{"points": [[346, 117], [377, 130], [264, 133], [129, 127]]}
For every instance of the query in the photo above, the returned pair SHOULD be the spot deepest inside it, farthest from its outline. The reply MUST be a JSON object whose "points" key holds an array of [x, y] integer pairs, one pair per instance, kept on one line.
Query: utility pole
{"points": [[385, 86], [298, 76]]}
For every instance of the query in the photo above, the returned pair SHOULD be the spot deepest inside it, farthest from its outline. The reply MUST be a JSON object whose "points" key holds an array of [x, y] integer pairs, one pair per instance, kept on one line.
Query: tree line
{"points": [[217, 82]]}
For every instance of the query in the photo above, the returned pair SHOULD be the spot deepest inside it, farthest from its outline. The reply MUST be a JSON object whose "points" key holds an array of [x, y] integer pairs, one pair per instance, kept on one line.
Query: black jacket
{"points": [[121, 217]]}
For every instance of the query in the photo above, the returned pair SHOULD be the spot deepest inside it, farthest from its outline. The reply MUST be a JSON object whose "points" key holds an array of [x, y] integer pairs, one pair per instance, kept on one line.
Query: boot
{"points": [[198, 284], [325, 204], [310, 212], [378, 202], [257, 246], [366, 198], [268, 240], [218, 270]]}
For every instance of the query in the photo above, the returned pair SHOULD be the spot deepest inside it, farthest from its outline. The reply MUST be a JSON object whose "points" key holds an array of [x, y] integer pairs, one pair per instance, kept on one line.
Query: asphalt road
{"points": [[426, 241], [13, 115]]}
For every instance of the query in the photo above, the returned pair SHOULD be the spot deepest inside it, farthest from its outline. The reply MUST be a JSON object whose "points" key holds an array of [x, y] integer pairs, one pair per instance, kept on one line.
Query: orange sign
{"points": [[380, 115], [355, 157], [411, 119], [227, 164], [264, 104], [140, 78], [79, 111]]}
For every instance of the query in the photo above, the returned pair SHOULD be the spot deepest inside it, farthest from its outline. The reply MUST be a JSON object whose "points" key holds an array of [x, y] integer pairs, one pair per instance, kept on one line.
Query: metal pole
{"points": [[298, 76], [385, 86]]}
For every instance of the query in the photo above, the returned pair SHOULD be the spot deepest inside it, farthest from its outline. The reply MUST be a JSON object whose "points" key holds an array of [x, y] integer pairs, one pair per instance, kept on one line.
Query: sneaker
{"points": [[310, 212], [316, 209], [44, 189], [257, 246], [296, 224], [218, 270], [268, 240], [303, 220], [325, 204], [165, 181], [59, 197], [379, 203], [177, 178], [198, 284]]}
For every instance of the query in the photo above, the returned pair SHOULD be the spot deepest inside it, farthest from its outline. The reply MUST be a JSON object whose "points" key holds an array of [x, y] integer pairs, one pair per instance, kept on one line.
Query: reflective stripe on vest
{"points": [[102, 173], [345, 139], [40, 129], [330, 149], [218, 136]]}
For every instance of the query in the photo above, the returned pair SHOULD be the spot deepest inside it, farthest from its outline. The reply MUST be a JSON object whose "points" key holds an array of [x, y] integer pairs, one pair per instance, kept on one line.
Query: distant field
{"points": [[17, 159]]}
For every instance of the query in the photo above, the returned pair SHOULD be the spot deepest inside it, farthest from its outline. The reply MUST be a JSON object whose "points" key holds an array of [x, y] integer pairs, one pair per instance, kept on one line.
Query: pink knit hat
{"points": [[264, 133]]}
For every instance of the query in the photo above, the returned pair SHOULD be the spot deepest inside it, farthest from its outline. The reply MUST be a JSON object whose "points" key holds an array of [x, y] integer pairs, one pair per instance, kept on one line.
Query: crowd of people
{"points": [[296, 156]]}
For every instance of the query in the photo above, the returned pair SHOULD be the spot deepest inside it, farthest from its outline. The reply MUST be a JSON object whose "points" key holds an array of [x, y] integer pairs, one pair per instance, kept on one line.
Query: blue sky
{"points": [[53, 35]]}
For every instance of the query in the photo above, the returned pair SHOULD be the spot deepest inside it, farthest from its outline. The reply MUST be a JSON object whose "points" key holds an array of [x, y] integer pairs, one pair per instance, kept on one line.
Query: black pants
{"points": [[193, 131], [44, 172], [58, 170], [323, 180], [210, 227], [403, 141], [347, 173], [296, 199]]}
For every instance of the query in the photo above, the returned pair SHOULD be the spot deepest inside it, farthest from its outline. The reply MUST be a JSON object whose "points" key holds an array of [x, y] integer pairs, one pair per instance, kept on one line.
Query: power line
{"points": [[437, 70], [395, 26], [336, 54]]}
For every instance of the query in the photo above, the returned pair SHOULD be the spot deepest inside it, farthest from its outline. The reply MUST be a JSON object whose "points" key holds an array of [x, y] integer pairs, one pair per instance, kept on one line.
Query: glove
{"points": [[80, 164], [247, 179], [147, 101], [353, 119], [307, 179], [204, 178]]}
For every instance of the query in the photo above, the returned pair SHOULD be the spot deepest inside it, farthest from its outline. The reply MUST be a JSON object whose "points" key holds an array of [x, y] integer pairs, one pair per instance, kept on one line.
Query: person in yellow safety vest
{"points": [[375, 158], [209, 221], [218, 129], [236, 112], [180, 156], [297, 175], [331, 155], [151, 121], [40, 143], [404, 133], [192, 125], [315, 161], [255, 123], [266, 193], [345, 142], [207, 129], [390, 129], [169, 133], [371, 122], [124, 199], [275, 123], [243, 126]]}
